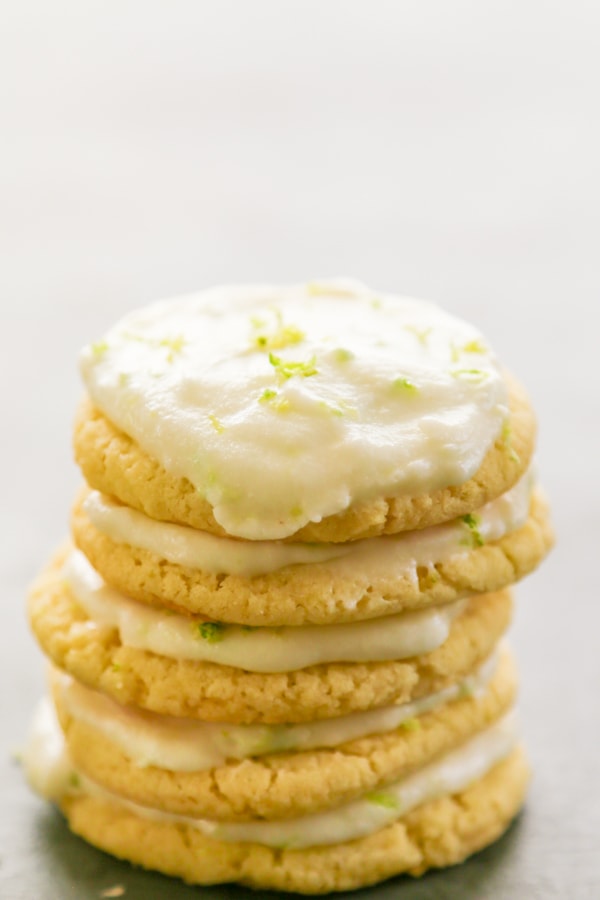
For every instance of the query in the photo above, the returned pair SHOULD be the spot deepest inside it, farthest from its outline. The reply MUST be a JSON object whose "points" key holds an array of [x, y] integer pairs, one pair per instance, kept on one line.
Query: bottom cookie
{"points": [[439, 833]]}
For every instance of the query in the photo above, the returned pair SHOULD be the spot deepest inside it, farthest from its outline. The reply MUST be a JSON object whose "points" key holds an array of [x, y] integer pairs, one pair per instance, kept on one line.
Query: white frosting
{"points": [[256, 649], [390, 555], [366, 396], [184, 745], [46, 763], [199, 549], [52, 775]]}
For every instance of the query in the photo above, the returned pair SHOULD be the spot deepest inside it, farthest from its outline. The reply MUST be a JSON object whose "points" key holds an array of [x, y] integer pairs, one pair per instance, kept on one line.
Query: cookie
{"points": [[96, 656], [362, 583], [114, 464], [270, 786], [439, 833]]}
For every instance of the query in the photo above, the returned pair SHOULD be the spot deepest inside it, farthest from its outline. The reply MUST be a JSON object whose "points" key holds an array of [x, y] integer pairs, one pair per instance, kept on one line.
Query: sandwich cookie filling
{"points": [[270, 650], [51, 774], [389, 554], [183, 745], [407, 400]]}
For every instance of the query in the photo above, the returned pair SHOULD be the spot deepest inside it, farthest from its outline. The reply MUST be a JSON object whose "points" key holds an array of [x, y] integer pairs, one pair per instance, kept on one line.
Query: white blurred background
{"points": [[444, 149], [447, 150]]}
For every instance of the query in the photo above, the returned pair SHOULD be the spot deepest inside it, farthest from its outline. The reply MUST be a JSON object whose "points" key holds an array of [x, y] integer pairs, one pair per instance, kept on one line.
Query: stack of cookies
{"points": [[276, 634]]}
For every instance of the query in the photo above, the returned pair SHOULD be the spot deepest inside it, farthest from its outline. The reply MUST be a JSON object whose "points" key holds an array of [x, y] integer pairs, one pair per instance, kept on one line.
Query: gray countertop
{"points": [[444, 150]]}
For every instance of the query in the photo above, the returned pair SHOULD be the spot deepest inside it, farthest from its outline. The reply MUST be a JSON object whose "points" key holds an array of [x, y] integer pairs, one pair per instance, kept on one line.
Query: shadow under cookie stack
{"points": [[276, 633]]}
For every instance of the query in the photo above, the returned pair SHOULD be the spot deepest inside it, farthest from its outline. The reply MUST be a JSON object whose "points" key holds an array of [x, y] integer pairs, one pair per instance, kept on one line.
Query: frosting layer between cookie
{"points": [[321, 593], [282, 649], [184, 745], [398, 554]]}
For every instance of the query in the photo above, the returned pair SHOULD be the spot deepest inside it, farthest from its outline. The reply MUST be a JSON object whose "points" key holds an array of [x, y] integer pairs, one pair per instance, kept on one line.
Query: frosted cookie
{"points": [[436, 816], [120, 647], [275, 583], [207, 411], [195, 768]]}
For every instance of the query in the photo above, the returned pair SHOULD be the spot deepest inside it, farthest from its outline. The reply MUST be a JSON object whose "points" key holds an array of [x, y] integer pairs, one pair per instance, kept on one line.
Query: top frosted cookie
{"points": [[284, 409]]}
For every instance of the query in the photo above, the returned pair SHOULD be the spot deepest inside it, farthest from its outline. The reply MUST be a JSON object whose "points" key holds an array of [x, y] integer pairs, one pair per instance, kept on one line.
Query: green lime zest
{"points": [[281, 336], [404, 386], [341, 355], [507, 441], [474, 375], [474, 347], [381, 798], [274, 400], [472, 523], [211, 632], [421, 334], [340, 409], [411, 725], [281, 404], [216, 424], [287, 369], [174, 344], [99, 348]]}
